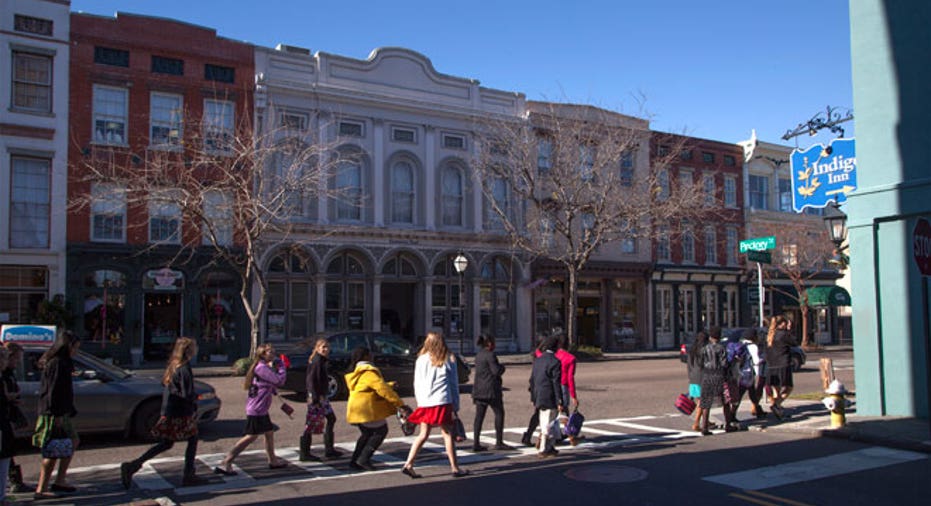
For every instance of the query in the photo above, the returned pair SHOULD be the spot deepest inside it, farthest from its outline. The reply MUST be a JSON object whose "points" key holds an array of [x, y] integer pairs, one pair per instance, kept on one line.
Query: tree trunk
{"points": [[804, 310], [571, 303]]}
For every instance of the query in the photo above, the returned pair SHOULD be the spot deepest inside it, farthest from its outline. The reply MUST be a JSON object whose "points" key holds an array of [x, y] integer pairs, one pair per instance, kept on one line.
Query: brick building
{"points": [[142, 87]]}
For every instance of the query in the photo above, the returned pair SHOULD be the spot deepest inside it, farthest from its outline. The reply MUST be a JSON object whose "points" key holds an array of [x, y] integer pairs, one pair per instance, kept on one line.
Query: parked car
{"points": [[392, 354], [797, 356], [108, 398]]}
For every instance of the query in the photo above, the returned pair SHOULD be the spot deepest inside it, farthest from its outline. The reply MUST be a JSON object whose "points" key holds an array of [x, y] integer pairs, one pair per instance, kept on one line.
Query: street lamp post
{"points": [[461, 263]]}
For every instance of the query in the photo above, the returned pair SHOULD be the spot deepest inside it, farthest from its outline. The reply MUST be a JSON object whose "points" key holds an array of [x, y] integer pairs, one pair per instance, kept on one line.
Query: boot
{"points": [[304, 449], [127, 470], [330, 452], [192, 480], [527, 439]]}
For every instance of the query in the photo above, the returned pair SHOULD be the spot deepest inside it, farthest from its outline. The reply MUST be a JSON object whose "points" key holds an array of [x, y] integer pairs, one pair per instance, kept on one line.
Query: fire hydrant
{"points": [[837, 404]]}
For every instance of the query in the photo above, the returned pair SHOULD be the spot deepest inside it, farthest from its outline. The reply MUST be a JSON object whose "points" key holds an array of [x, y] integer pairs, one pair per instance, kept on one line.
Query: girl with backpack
{"points": [[752, 382], [487, 393]]}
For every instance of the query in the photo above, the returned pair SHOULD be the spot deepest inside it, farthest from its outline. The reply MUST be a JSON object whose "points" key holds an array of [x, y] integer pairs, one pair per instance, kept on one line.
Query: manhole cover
{"points": [[606, 474]]}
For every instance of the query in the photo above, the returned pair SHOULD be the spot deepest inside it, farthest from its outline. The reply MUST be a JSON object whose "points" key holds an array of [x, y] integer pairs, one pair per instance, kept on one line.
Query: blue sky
{"points": [[713, 70]]}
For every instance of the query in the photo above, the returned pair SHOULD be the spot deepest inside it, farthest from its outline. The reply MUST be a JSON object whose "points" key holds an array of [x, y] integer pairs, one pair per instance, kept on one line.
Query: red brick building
{"points": [[696, 283], [143, 86]]}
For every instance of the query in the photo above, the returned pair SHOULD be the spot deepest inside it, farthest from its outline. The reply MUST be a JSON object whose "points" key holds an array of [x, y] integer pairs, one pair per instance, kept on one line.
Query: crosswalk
{"points": [[252, 469]]}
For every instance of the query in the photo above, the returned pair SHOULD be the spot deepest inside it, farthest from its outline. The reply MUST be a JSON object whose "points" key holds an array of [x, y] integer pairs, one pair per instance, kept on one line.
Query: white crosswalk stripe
{"points": [[601, 434]]}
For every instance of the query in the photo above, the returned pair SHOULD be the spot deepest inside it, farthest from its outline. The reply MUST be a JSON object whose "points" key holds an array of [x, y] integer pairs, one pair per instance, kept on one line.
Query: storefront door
{"points": [[162, 324]]}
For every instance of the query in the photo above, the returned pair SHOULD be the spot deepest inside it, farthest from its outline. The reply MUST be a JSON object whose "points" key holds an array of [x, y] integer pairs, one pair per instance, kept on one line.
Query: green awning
{"points": [[828, 296]]}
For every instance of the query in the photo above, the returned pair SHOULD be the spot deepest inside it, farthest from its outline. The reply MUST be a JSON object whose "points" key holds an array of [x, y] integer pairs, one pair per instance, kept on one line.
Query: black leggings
{"points": [[164, 445], [496, 405], [370, 437]]}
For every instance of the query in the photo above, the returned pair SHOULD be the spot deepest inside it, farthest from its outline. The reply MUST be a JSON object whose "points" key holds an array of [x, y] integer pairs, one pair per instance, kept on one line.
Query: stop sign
{"points": [[921, 246]]}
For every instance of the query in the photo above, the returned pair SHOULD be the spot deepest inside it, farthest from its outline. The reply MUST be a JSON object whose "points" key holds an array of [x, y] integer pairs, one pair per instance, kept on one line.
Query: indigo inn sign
{"points": [[823, 174]]}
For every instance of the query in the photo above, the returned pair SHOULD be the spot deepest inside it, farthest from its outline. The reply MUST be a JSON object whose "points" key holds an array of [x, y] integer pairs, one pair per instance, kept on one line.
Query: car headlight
{"points": [[206, 396]]}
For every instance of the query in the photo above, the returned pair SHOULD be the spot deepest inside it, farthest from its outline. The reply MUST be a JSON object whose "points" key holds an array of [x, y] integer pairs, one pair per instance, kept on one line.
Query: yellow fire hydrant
{"points": [[837, 404]]}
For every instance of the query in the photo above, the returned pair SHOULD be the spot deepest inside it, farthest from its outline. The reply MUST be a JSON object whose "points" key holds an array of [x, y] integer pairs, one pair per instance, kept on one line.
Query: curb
{"points": [[852, 434]]}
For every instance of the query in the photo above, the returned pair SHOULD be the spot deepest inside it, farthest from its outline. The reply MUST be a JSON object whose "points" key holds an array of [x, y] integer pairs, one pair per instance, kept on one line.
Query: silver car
{"points": [[108, 398]]}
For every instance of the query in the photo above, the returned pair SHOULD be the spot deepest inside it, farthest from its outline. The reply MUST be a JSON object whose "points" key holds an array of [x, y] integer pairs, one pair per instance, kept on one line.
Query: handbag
{"points": [[316, 418], [460, 431], [288, 410], [685, 404], [574, 424], [18, 418], [406, 427]]}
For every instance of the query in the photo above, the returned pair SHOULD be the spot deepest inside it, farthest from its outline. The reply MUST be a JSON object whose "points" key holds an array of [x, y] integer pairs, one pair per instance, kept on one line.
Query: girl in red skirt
{"points": [[436, 388]]}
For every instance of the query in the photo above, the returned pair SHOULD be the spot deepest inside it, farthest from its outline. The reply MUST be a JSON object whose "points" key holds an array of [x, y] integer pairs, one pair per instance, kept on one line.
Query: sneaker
{"points": [[479, 448]]}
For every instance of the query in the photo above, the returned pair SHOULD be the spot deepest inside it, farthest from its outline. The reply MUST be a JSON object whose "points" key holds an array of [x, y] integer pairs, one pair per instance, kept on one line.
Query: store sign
{"points": [[921, 246], [163, 279], [823, 174], [28, 333], [758, 244]]}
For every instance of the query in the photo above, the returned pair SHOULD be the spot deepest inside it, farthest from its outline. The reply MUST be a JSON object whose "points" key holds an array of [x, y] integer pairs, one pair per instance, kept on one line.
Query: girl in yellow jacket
{"points": [[371, 401]]}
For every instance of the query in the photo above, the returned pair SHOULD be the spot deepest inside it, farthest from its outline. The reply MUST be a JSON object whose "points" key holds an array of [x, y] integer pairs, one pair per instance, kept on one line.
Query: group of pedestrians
{"points": [[722, 372]]}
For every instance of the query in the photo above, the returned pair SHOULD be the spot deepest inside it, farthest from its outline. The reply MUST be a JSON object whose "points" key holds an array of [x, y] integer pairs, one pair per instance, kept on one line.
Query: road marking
{"points": [[776, 498], [812, 469], [752, 499]]}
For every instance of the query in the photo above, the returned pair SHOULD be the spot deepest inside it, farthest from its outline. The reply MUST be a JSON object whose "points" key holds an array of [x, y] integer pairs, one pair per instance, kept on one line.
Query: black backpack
{"points": [[714, 357]]}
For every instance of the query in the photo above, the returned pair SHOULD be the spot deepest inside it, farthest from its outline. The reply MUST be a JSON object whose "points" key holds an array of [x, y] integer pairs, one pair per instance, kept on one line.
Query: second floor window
{"points": [[402, 193], [627, 168], [349, 190], [587, 163], [29, 202], [164, 218], [499, 194], [110, 114], [32, 82], [711, 246], [785, 195], [759, 192], [452, 189], [219, 212], [707, 182], [688, 245], [218, 125], [663, 183], [730, 191], [662, 244], [108, 213], [544, 156], [731, 246], [165, 112]]}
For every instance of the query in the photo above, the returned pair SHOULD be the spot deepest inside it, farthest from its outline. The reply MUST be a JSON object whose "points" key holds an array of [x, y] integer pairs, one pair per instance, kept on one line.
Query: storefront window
{"points": [[664, 309], [344, 302], [21, 291], [290, 289], [687, 323], [447, 310], [216, 308], [104, 306], [494, 298], [729, 307], [624, 311], [709, 307], [550, 313]]}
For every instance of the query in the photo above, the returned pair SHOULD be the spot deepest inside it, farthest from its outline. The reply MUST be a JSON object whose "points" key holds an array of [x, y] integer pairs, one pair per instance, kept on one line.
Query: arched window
{"points": [[399, 266], [402, 192], [495, 302], [453, 198], [348, 186], [345, 294], [290, 179], [289, 316]]}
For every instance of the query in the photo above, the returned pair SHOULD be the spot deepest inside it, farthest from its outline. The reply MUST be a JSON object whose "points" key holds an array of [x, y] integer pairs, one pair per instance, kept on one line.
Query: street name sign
{"points": [[760, 256], [822, 174], [758, 244]]}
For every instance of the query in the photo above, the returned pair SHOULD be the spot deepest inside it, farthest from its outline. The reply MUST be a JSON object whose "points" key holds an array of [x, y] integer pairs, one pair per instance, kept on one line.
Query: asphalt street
{"points": [[638, 450]]}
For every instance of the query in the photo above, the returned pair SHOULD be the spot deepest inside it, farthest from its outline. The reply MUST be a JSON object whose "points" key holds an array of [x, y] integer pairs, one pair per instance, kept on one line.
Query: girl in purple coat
{"points": [[262, 381]]}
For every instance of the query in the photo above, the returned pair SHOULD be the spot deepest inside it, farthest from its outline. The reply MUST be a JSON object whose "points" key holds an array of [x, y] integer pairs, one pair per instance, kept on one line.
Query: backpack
{"points": [[740, 364], [714, 357]]}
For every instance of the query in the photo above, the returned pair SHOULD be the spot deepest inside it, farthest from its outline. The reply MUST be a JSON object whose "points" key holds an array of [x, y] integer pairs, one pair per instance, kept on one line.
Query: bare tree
{"points": [[239, 195], [569, 180], [804, 252]]}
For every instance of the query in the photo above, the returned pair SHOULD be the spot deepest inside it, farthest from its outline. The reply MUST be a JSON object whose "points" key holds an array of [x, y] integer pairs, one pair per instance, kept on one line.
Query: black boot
{"points": [[304, 449], [330, 452], [127, 470], [527, 440]]}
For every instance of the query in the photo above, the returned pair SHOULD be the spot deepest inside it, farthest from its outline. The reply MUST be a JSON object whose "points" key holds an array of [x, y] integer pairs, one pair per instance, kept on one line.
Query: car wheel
{"points": [[796, 363], [336, 388], [145, 418]]}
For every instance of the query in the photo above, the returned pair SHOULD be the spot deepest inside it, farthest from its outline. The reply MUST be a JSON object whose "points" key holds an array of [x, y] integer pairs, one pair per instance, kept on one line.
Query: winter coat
{"points": [[436, 386], [316, 379], [488, 371], [777, 355], [178, 398], [56, 391], [567, 371], [546, 382], [370, 398], [265, 385]]}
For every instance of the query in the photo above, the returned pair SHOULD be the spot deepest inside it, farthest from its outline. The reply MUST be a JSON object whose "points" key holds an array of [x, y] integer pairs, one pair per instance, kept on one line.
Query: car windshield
{"points": [[387, 344]]}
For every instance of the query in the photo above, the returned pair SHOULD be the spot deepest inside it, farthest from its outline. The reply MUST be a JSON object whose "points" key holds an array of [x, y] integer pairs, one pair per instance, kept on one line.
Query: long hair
{"points": [[774, 324], [435, 346], [260, 350], [64, 341], [180, 355], [317, 344], [701, 339]]}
